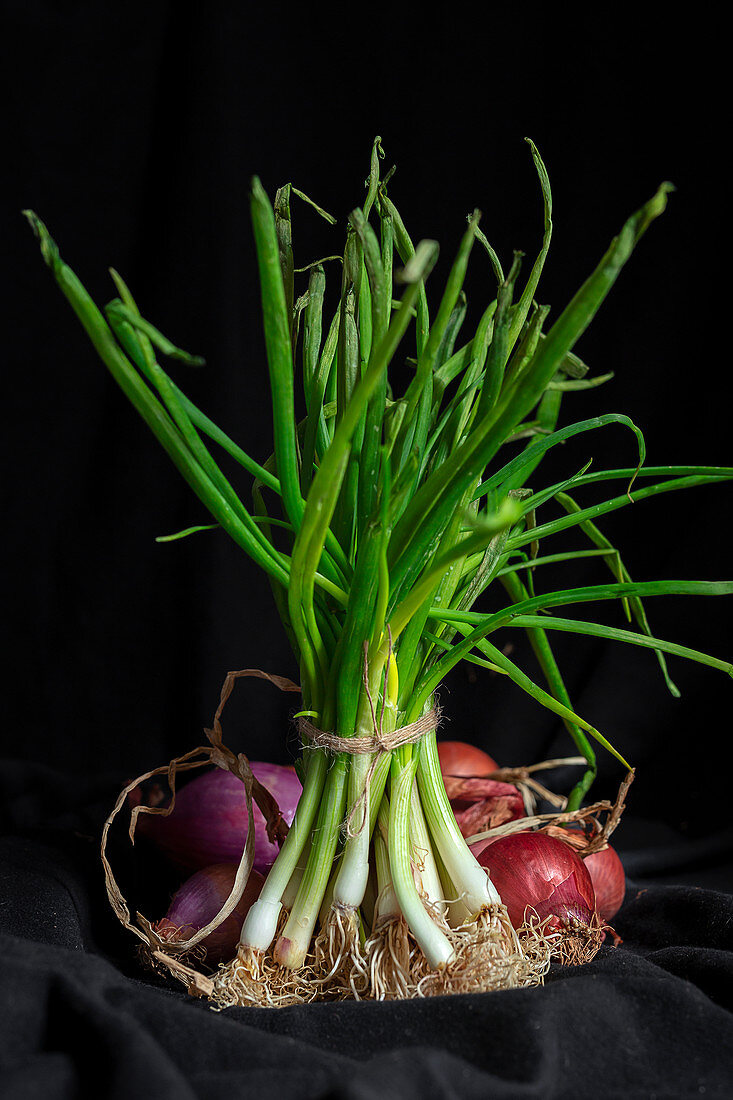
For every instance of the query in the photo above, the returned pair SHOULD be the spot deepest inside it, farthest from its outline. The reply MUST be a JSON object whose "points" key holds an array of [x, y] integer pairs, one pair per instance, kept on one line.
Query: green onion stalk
{"points": [[380, 520]]}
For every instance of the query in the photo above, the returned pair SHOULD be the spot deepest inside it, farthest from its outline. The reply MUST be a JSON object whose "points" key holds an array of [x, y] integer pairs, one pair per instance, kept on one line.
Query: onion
{"points": [[199, 900], [479, 804], [460, 758], [605, 868], [540, 872], [609, 881], [209, 820]]}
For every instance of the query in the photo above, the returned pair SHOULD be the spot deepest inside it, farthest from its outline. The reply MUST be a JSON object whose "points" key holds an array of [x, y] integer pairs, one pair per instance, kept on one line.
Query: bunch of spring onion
{"points": [[380, 519]]}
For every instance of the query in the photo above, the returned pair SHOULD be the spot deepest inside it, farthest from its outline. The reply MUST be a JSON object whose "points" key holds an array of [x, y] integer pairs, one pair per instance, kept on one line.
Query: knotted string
{"points": [[376, 743]]}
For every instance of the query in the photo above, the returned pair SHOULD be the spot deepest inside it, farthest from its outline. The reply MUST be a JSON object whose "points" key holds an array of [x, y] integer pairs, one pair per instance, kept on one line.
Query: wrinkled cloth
{"points": [[649, 1018]]}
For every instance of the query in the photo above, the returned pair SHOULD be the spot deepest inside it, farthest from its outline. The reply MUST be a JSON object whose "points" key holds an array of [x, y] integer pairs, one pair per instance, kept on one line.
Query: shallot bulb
{"points": [[609, 881], [605, 868], [199, 900], [209, 820], [460, 758], [480, 804], [536, 873]]}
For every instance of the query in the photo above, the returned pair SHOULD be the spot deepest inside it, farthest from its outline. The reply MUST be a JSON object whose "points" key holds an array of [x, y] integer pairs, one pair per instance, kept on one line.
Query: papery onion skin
{"points": [[460, 758], [208, 824], [480, 804], [539, 873], [198, 901]]}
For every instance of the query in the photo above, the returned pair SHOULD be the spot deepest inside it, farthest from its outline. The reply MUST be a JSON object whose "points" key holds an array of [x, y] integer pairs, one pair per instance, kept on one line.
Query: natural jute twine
{"points": [[376, 743]]}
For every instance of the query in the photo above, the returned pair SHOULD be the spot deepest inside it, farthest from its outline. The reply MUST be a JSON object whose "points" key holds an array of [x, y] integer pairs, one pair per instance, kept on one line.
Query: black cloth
{"points": [[652, 1017]]}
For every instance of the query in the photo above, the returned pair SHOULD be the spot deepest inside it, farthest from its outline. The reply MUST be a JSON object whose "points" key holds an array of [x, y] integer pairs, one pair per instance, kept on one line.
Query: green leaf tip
{"points": [[659, 199], [510, 511], [256, 190], [185, 533], [543, 178], [49, 248], [421, 263], [318, 209], [639, 222], [125, 309]]}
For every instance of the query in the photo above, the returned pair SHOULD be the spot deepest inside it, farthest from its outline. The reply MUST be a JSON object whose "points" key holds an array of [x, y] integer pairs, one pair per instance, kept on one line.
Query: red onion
{"points": [[199, 900], [209, 821], [609, 881], [605, 868], [540, 872], [460, 758]]}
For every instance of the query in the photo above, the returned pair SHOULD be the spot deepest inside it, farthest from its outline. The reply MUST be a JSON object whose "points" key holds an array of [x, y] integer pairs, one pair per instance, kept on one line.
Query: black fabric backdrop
{"points": [[133, 132]]}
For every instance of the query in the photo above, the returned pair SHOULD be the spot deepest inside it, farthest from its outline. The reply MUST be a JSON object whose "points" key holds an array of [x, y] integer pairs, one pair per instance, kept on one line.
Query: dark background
{"points": [[133, 132]]}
